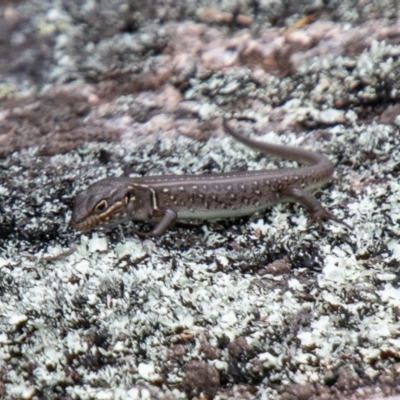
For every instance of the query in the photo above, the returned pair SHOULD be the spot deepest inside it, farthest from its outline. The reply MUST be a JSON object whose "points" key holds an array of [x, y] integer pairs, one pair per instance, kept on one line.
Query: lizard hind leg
{"points": [[316, 210]]}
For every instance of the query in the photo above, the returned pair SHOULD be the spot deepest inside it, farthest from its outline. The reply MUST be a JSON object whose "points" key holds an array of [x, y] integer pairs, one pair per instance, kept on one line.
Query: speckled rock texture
{"points": [[267, 307]]}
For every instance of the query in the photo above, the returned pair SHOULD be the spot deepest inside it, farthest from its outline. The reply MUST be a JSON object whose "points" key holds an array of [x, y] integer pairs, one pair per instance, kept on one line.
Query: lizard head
{"points": [[105, 203]]}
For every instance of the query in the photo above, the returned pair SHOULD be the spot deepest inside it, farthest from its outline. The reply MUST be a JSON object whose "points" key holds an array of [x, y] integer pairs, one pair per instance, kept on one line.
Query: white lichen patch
{"points": [[97, 243], [17, 319], [132, 248]]}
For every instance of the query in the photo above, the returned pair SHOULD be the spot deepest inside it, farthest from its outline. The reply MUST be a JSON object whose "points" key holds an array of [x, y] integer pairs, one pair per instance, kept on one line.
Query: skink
{"points": [[165, 199]]}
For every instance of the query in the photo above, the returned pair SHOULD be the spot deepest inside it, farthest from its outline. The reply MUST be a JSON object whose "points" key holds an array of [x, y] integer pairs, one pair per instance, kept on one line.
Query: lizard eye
{"points": [[101, 206], [129, 197]]}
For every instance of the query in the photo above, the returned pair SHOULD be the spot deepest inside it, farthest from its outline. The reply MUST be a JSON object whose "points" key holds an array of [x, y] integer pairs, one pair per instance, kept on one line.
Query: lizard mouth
{"points": [[85, 225]]}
